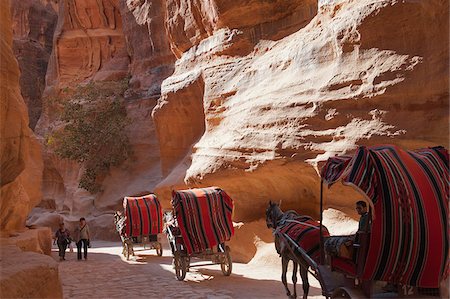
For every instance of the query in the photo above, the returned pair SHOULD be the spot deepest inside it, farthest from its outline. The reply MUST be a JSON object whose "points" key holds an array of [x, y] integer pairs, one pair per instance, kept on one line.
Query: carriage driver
{"points": [[341, 245], [361, 208]]}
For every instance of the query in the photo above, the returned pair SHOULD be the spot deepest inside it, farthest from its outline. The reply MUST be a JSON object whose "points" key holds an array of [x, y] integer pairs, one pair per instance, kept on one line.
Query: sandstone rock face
{"points": [[357, 73], [33, 26], [24, 271], [148, 46], [20, 153], [88, 42], [191, 21], [249, 95], [139, 52]]}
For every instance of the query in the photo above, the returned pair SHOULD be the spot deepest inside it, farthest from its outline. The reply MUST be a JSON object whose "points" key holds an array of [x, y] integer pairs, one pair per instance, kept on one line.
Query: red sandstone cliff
{"points": [[21, 177], [33, 24], [257, 123]]}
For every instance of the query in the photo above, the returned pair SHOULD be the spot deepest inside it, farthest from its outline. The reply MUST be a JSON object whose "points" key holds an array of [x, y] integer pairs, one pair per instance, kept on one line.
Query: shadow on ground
{"points": [[106, 273]]}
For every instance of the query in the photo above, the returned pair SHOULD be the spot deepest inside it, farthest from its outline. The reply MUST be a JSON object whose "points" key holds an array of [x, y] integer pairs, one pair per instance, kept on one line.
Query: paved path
{"points": [[106, 274]]}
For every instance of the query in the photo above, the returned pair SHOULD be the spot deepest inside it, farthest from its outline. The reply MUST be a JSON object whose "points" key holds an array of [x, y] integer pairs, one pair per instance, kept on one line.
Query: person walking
{"points": [[62, 238], [82, 238]]}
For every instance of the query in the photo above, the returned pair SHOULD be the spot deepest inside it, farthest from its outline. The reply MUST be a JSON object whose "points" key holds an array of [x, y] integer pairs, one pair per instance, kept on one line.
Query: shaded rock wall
{"points": [[24, 271], [105, 40], [147, 45], [33, 24], [20, 153]]}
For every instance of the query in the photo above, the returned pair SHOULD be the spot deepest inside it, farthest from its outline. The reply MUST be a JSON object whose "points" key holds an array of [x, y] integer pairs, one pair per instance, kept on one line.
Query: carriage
{"points": [[406, 243], [198, 229], [140, 224]]}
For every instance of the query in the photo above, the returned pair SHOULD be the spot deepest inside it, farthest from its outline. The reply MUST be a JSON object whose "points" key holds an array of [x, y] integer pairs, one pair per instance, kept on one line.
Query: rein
{"points": [[286, 218]]}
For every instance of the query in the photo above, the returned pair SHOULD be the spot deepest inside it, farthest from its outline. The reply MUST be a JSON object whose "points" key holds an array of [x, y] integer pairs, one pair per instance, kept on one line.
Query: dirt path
{"points": [[106, 274]]}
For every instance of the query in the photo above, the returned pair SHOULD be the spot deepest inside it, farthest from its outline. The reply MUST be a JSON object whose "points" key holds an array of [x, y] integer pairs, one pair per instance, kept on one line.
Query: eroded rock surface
{"points": [[27, 270], [249, 95], [20, 153], [88, 42], [357, 73], [33, 24]]}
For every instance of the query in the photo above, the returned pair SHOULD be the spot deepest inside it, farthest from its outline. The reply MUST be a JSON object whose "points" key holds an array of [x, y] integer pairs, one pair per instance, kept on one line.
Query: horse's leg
{"points": [[294, 278], [304, 275], [284, 264]]}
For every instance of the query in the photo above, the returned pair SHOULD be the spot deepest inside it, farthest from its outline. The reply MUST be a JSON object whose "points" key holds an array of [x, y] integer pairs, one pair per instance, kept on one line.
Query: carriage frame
{"points": [[146, 241], [213, 252], [221, 255], [337, 283]]}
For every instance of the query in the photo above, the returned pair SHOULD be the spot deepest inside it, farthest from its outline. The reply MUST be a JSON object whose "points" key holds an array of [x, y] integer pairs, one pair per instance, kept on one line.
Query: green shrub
{"points": [[93, 134]]}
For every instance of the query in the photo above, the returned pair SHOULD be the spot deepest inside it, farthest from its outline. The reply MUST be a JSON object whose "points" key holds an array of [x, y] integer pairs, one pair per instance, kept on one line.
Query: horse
{"points": [[274, 217]]}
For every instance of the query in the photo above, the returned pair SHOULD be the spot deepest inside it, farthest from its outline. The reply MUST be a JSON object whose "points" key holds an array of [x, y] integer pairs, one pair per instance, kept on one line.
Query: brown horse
{"points": [[273, 216]]}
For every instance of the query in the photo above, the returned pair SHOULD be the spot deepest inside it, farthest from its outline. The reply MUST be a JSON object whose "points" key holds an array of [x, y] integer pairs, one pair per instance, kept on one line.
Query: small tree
{"points": [[94, 118]]}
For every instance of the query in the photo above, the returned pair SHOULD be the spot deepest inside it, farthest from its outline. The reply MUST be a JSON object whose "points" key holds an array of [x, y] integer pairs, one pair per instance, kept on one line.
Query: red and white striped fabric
{"points": [[204, 217], [143, 216], [409, 190]]}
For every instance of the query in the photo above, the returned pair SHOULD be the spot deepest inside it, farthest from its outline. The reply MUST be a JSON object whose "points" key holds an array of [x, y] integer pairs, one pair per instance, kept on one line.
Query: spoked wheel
{"points": [[227, 264], [159, 250], [180, 267], [180, 264]]}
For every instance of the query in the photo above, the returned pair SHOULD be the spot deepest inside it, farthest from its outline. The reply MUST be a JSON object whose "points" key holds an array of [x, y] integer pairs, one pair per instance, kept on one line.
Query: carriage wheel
{"points": [[159, 250], [180, 264], [227, 264], [180, 267]]}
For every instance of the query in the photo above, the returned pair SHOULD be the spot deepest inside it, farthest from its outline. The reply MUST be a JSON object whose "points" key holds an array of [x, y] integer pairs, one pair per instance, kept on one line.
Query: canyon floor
{"points": [[106, 274]]}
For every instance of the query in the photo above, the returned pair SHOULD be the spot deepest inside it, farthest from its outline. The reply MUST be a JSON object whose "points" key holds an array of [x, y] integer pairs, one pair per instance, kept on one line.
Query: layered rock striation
{"points": [[248, 95], [20, 152], [21, 178], [356, 73], [33, 24]]}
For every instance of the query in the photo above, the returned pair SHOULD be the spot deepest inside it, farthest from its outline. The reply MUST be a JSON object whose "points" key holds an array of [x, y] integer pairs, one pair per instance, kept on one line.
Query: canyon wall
{"points": [[21, 178], [20, 152], [33, 25], [356, 73], [106, 40], [251, 96]]}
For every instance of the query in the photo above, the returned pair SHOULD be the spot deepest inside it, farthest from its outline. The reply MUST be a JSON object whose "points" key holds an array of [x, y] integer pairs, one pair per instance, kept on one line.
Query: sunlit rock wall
{"points": [[350, 73]]}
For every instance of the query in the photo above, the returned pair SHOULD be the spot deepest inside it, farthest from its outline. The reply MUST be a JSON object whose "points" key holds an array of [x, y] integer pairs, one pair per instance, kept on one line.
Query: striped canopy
{"points": [[143, 216], [409, 191], [204, 217]]}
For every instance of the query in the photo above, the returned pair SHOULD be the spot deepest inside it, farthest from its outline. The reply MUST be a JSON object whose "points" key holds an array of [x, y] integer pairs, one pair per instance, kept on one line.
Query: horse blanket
{"points": [[204, 217], [409, 193], [305, 232], [143, 216]]}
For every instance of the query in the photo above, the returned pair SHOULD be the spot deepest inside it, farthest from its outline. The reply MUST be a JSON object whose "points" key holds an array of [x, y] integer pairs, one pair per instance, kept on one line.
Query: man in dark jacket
{"points": [[361, 208]]}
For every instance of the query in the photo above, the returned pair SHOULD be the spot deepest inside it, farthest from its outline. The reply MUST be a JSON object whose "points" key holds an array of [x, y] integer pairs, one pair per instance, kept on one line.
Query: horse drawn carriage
{"points": [[140, 224], [406, 242], [199, 227]]}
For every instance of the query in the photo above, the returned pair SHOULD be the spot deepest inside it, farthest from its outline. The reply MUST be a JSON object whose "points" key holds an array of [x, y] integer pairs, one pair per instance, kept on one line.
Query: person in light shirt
{"points": [[82, 238]]}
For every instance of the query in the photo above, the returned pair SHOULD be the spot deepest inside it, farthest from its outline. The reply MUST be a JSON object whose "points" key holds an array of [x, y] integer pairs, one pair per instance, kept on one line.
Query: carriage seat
{"points": [[340, 246], [343, 265]]}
